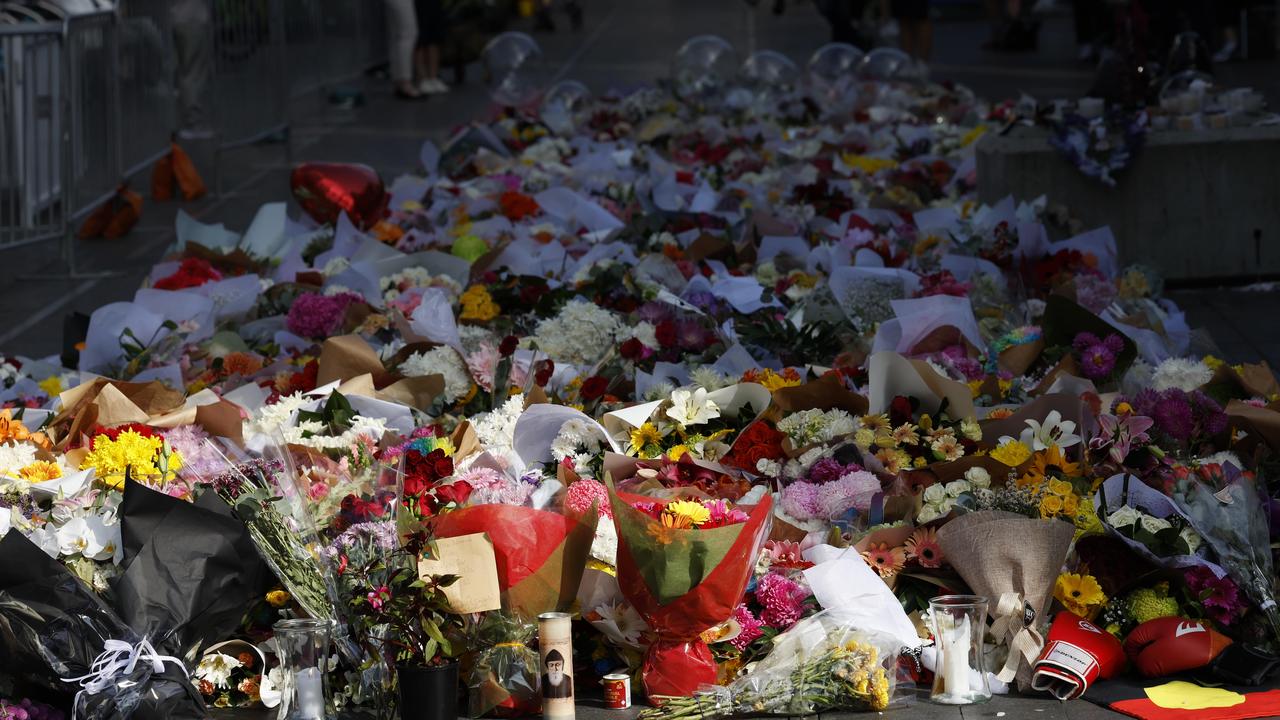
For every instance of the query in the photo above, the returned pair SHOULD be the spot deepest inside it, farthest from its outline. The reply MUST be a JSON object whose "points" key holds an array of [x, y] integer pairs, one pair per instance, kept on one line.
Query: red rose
{"points": [[508, 346], [632, 349], [454, 493], [594, 388], [545, 369], [900, 410]]}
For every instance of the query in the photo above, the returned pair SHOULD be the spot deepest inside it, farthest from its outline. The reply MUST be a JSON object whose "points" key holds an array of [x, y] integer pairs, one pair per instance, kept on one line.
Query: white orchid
{"points": [[692, 407], [1053, 431], [91, 537]]}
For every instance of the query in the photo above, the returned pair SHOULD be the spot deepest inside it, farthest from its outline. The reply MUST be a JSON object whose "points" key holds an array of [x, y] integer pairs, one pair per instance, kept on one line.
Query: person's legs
{"points": [[193, 45], [402, 35], [924, 42]]}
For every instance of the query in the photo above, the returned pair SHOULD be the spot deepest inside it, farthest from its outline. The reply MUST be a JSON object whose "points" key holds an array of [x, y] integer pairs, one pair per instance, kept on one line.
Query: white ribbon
{"points": [[1024, 641], [119, 659]]}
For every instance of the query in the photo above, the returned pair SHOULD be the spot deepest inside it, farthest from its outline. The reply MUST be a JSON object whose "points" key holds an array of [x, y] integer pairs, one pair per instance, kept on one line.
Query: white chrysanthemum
{"points": [[576, 438], [643, 331], [806, 427], [496, 429], [659, 391], [15, 456], [272, 419], [443, 361], [584, 273], [580, 334], [1180, 373], [707, 377], [311, 434]]}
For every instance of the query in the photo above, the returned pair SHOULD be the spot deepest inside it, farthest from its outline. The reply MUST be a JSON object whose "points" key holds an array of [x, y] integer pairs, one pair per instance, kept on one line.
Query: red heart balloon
{"points": [[325, 190]]}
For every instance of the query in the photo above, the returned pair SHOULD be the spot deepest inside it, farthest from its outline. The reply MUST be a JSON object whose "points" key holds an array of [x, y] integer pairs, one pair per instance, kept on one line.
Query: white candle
{"points": [[310, 694], [955, 661]]}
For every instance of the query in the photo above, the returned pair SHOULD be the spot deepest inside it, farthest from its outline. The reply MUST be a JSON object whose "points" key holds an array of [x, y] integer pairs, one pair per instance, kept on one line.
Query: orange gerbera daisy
{"points": [[1047, 464], [923, 546], [886, 560]]}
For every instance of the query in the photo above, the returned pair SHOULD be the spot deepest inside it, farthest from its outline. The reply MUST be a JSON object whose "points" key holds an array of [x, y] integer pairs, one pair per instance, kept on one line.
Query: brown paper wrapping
{"points": [[999, 552], [825, 393], [110, 402], [345, 357], [1260, 424], [1017, 359], [1070, 406]]}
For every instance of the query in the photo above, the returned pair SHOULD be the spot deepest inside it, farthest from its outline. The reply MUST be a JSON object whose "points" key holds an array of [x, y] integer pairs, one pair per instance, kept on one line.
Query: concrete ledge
{"points": [[1193, 204]]}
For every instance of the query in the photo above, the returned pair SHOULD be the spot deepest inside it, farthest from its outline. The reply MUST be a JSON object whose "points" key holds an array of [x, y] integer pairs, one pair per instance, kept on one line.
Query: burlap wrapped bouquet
{"points": [[1013, 560]]}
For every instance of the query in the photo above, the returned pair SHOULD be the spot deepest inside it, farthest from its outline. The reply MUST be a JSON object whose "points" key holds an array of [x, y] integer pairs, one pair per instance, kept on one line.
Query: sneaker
{"points": [[434, 86], [1227, 52]]}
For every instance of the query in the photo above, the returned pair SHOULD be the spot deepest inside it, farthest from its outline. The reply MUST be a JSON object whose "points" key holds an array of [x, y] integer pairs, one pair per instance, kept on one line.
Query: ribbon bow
{"points": [[1015, 622], [119, 659]]}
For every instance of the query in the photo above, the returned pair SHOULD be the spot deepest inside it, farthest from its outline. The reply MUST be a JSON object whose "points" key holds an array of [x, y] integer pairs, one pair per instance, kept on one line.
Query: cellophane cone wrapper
{"points": [[683, 582]]}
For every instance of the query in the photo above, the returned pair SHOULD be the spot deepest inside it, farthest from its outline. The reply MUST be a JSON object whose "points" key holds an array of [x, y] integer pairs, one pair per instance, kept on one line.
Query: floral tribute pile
{"points": [[707, 378]]}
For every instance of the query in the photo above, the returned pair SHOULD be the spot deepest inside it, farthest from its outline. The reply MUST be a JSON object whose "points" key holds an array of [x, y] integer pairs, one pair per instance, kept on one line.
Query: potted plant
{"points": [[418, 632]]}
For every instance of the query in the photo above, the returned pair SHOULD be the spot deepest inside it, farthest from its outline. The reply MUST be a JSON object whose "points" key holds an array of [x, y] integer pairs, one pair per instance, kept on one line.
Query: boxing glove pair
{"points": [[1076, 653]]}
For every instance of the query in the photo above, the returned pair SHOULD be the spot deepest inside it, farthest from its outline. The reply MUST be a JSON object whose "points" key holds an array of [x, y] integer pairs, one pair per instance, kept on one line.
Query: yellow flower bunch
{"points": [[868, 164], [478, 304], [773, 381], [1059, 500], [1080, 594], [1012, 453], [40, 471], [147, 456], [646, 441], [684, 514], [52, 386]]}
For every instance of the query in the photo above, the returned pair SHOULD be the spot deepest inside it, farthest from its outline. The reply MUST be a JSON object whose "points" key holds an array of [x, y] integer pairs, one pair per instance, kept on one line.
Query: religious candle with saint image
{"points": [[555, 647]]}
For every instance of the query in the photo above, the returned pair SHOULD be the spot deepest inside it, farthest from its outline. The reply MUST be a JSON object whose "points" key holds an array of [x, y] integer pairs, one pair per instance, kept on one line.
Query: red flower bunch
{"points": [[354, 510], [686, 473], [113, 433], [758, 442], [892, 257], [942, 283], [424, 470], [1062, 266], [518, 206], [193, 272], [594, 388]]}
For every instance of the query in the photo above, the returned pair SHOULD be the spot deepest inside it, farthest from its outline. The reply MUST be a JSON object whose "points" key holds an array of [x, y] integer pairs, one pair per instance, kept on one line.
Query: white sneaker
{"points": [[434, 86], [1227, 52]]}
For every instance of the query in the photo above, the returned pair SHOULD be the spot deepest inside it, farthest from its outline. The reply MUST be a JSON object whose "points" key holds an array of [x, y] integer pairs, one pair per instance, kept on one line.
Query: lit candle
{"points": [[310, 694]]}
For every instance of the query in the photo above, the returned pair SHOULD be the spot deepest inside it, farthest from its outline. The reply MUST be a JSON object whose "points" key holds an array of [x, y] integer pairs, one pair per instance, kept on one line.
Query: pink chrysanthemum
{"points": [[854, 490], [783, 600], [750, 628], [490, 487], [800, 500]]}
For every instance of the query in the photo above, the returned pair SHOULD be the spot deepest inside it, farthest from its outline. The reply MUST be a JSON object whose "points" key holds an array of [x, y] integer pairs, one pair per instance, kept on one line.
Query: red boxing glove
{"points": [[1076, 653], [1170, 645]]}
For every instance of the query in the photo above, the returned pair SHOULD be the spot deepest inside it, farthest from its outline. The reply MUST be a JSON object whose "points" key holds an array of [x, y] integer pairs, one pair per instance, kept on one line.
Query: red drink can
{"points": [[617, 691]]}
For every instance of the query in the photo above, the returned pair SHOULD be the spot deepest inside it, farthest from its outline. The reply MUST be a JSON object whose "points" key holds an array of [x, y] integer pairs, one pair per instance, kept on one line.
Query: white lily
{"points": [[1053, 431], [692, 408], [216, 668]]}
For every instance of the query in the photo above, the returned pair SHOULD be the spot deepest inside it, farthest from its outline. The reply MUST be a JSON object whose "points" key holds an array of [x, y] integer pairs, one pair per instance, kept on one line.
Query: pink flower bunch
{"points": [[783, 600], [750, 625], [490, 487], [317, 316], [785, 554], [828, 501], [722, 513], [1221, 596], [583, 493], [379, 597]]}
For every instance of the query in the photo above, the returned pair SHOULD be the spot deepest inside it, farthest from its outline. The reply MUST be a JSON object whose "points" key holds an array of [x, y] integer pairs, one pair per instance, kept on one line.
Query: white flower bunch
{"points": [[579, 334], [496, 430], [1183, 374], [867, 301], [1154, 532], [216, 668], [443, 361], [939, 498], [807, 427], [643, 331], [417, 277], [709, 379], [579, 442], [311, 433]]}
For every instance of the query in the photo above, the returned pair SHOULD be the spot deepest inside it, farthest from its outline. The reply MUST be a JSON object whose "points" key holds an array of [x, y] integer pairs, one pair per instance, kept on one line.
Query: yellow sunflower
{"points": [[1048, 463]]}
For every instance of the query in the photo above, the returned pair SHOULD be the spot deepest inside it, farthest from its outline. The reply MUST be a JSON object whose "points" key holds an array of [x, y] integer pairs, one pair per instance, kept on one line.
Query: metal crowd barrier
{"points": [[90, 98]]}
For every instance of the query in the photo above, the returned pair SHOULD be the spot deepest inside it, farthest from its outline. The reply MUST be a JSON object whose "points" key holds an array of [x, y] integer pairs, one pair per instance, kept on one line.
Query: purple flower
{"points": [[690, 335], [1120, 433], [826, 470], [800, 500], [654, 312], [1173, 415], [1097, 356], [317, 316]]}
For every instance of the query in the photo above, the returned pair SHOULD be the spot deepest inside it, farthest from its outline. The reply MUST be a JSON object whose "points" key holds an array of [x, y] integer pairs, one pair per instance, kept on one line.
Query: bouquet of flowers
{"points": [[684, 564], [820, 664]]}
